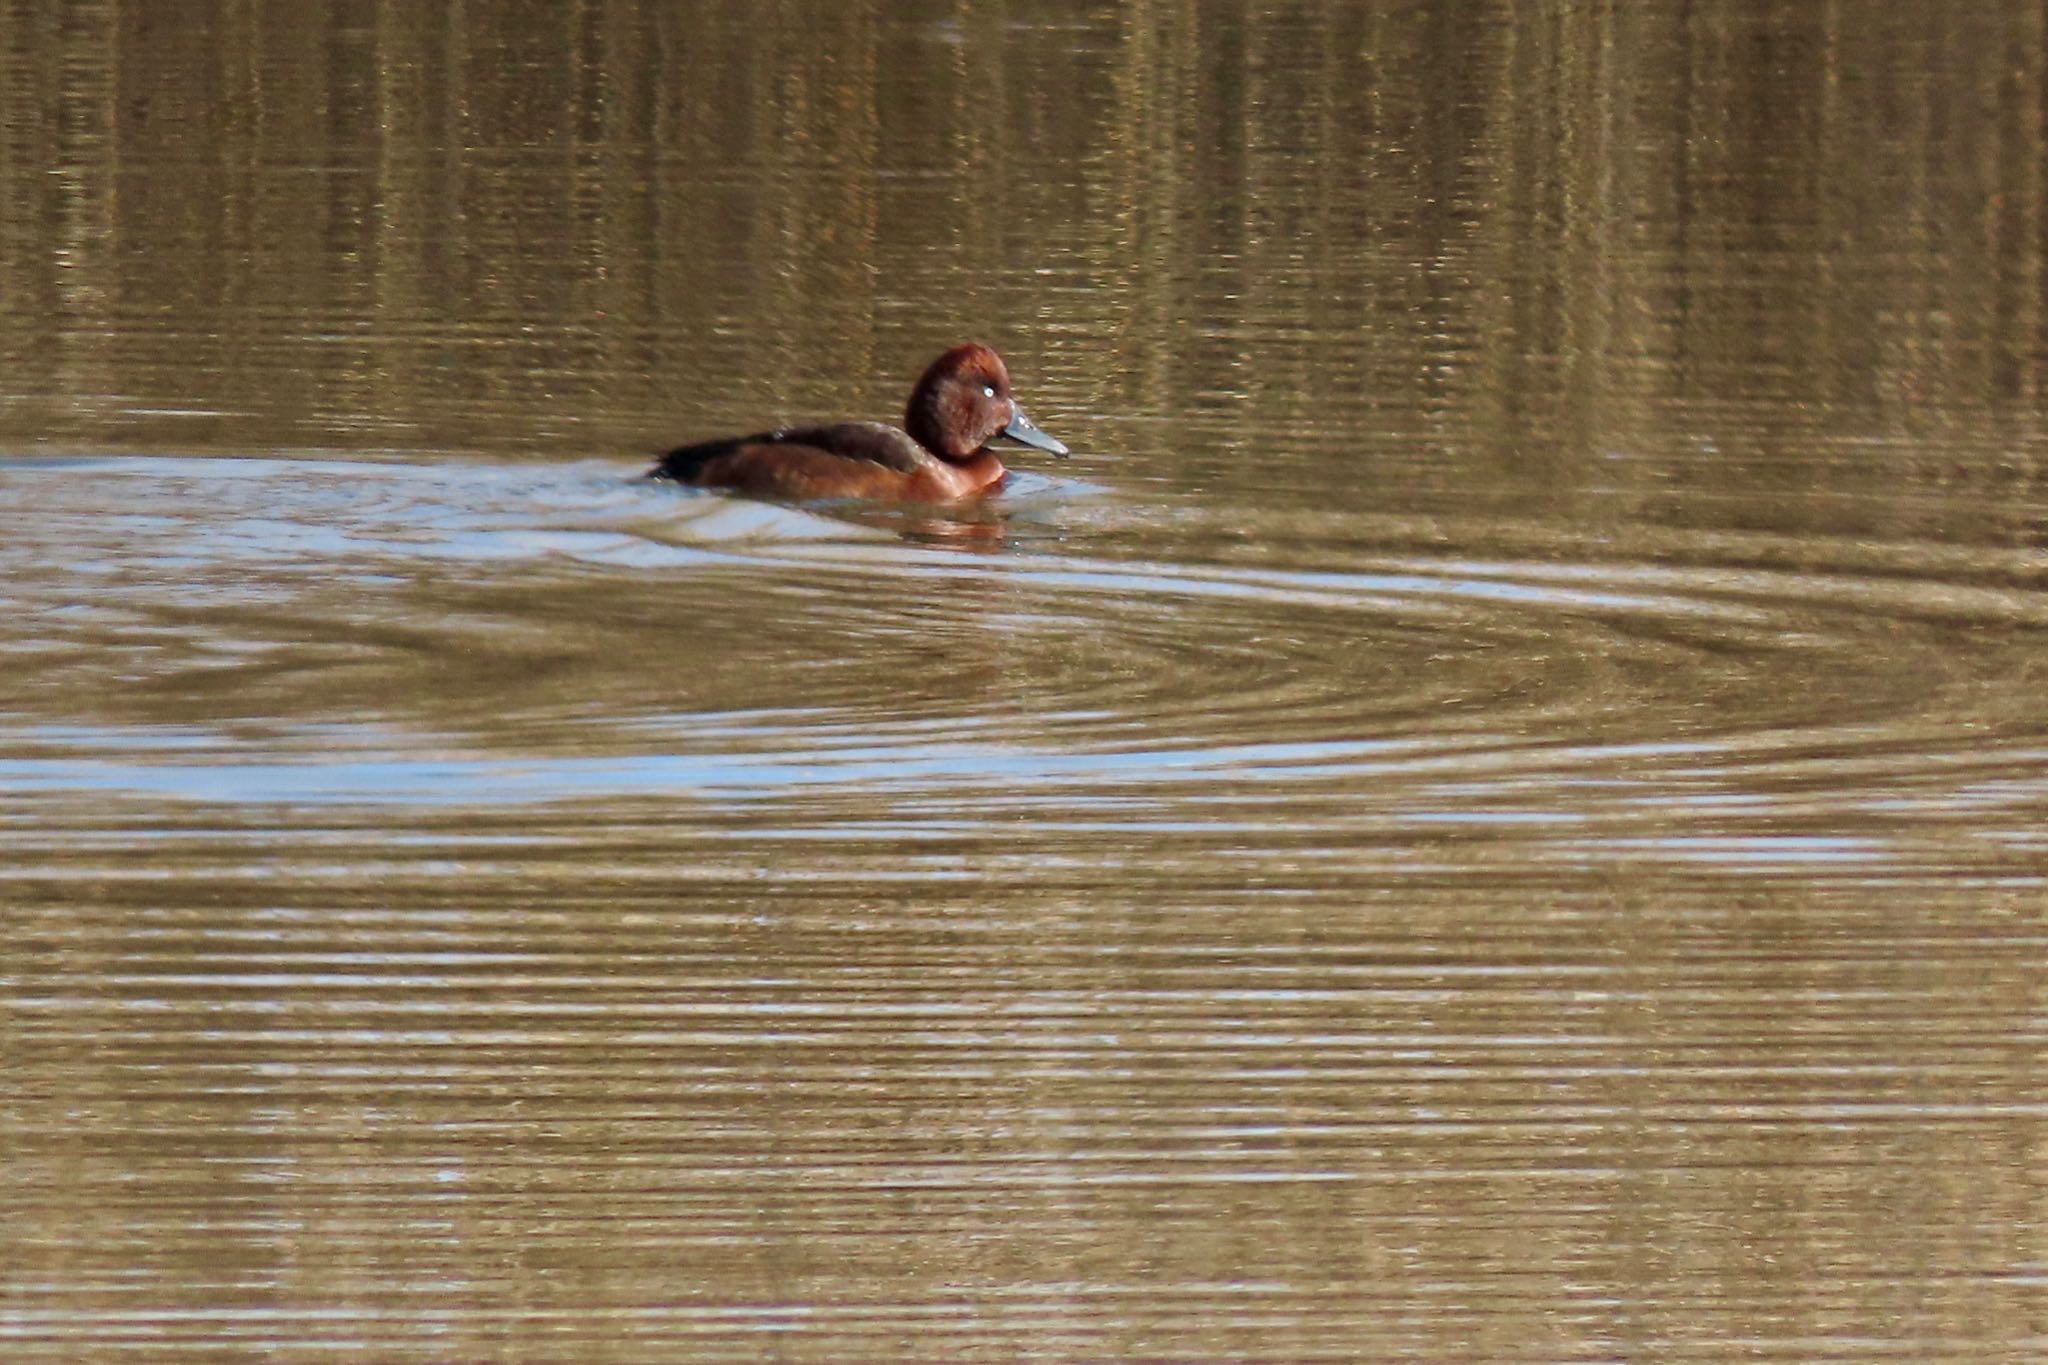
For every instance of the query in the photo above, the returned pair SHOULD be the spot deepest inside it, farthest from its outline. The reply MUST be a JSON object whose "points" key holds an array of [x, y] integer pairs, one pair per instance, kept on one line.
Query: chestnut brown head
{"points": [[963, 402]]}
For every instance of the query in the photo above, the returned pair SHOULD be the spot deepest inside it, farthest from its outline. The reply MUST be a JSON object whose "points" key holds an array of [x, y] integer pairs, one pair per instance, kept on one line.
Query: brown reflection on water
{"points": [[1457, 226], [1494, 811]]}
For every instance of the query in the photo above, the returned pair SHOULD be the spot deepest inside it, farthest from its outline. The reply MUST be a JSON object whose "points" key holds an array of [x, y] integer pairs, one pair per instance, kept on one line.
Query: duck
{"points": [[940, 454]]}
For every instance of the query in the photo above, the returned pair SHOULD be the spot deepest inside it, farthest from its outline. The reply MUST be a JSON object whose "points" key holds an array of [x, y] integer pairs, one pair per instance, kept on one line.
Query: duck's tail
{"points": [[685, 463]]}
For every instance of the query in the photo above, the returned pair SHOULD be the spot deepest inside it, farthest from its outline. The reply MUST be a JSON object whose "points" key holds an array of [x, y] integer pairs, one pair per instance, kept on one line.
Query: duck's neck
{"points": [[921, 419]]}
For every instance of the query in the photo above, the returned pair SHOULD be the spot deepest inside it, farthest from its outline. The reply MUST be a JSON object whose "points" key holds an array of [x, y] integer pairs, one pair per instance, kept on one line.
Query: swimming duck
{"points": [[940, 454]]}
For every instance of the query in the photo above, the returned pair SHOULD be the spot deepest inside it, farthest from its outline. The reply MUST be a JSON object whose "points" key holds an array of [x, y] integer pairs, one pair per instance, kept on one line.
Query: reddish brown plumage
{"points": [[960, 403]]}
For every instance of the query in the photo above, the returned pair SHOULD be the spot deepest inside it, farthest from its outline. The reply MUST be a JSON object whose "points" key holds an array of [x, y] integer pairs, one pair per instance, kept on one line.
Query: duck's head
{"points": [[963, 402]]}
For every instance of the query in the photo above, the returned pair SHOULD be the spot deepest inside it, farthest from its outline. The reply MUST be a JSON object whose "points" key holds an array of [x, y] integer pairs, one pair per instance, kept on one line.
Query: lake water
{"points": [[1497, 808]]}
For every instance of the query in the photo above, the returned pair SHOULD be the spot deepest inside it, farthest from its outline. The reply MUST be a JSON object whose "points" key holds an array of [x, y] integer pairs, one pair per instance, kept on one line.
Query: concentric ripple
{"points": [[312, 632]]}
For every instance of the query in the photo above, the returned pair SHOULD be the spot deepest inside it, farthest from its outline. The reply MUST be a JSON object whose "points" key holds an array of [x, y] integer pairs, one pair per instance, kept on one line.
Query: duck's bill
{"points": [[1024, 431]]}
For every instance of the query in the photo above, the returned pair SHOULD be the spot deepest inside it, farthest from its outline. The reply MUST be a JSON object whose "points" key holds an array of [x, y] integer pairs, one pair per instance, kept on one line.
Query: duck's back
{"points": [[843, 459]]}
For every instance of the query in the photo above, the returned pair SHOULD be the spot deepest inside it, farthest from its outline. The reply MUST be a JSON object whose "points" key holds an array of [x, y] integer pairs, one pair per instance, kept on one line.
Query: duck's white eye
{"points": [[988, 390]]}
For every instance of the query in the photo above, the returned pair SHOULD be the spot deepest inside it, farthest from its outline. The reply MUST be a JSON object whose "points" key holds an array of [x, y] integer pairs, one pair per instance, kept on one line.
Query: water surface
{"points": [[1494, 811]]}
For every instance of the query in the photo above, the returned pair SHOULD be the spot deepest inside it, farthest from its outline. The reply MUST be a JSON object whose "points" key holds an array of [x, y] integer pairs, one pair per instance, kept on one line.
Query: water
{"points": [[1494, 811]]}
